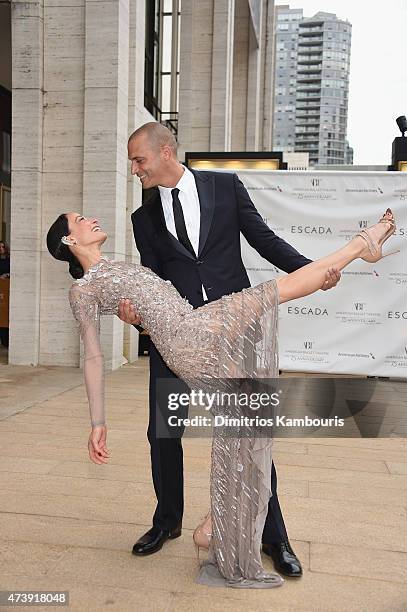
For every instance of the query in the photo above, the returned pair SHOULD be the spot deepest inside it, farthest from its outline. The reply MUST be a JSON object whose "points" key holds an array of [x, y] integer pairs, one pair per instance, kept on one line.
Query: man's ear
{"points": [[166, 152]]}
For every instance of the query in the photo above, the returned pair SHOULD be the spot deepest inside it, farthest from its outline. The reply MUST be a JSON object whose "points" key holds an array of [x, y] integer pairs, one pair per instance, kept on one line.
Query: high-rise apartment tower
{"points": [[321, 53]]}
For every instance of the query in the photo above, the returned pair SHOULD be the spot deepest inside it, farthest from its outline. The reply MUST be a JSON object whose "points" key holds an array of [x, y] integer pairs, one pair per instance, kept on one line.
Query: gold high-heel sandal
{"points": [[375, 246], [201, 536]]}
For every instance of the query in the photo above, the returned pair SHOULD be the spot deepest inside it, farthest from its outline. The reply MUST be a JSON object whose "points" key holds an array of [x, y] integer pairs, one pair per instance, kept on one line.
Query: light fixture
{"points": [[399, 147], [402, 123]]}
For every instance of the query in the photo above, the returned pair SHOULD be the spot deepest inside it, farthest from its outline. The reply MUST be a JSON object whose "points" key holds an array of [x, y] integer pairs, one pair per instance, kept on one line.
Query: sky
{"points": [[378, 74]]}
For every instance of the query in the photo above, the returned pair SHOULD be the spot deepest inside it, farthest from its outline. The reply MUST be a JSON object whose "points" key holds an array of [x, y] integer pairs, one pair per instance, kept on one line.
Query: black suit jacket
{"points": [[226, 211]]}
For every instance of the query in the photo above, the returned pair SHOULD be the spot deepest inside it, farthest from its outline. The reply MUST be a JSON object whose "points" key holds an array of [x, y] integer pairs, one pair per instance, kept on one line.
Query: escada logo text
{"points": [[397, 314], [310, 229], [307, 310]]}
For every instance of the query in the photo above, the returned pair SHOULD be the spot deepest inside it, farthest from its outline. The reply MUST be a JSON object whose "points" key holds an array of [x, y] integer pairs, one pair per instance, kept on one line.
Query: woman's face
{"points": [[85, 231], [2, 248]]}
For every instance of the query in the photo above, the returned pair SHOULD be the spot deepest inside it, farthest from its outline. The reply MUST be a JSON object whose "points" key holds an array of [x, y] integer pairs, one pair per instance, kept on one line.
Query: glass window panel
{"points": [[167, 37], [166, 93]]}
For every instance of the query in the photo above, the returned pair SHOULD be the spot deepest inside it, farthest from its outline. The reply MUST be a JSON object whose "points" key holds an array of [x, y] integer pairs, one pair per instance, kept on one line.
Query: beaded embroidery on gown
{"points": [[234, 337]]}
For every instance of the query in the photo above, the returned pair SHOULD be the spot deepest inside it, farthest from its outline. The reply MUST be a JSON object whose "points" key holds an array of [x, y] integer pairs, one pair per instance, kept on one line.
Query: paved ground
{"points": [[67, 524]]}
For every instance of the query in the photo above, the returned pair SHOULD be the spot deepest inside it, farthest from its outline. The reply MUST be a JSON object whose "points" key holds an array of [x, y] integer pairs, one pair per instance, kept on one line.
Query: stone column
{"points": [[222, 75], [64, 79], [253, 91], [240, 60], [269, 65], [105, 137], [26, 187], [194, 127], [136, 117]]}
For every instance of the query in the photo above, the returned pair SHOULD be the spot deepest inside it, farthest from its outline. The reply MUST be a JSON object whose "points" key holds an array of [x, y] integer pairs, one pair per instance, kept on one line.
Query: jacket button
{"points": [[199, 262]]}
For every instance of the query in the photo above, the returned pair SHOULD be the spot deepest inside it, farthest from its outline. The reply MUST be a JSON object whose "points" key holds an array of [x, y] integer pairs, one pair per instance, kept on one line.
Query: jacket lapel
{"points": [[205, 184], [156, 213]]}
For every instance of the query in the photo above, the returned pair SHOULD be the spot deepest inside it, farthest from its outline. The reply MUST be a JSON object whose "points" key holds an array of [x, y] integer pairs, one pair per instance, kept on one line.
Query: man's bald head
{"points": [[157, 135], [152, 150]]}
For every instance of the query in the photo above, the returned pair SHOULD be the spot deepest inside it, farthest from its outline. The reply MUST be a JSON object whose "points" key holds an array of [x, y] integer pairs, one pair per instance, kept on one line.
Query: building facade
{"points": [[85, 74], [226, 76], [323, 61], [312, 114], [285, 76]]}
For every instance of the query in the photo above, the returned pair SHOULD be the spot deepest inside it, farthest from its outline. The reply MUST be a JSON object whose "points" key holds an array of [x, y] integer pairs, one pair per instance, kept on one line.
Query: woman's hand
{"points": [[98, 452]]}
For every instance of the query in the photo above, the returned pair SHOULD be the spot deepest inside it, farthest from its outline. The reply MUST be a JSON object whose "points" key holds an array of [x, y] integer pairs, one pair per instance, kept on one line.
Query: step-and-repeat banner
{"points": [[360, 327]]}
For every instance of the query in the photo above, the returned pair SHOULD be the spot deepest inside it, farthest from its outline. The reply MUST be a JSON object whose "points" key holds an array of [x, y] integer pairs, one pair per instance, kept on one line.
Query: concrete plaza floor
{"points": [[67, 524]]}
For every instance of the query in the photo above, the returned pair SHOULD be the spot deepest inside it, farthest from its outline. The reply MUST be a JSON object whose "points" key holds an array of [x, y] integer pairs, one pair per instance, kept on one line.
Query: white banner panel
{"points": [[360, 327]]}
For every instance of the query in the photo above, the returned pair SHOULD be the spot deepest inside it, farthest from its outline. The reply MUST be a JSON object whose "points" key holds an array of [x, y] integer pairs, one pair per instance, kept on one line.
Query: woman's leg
{"points": [[310, 278]]}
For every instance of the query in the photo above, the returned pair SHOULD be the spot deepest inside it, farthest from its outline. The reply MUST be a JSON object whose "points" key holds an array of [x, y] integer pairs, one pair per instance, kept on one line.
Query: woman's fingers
{"points": [[93, 456], [98, 452]]}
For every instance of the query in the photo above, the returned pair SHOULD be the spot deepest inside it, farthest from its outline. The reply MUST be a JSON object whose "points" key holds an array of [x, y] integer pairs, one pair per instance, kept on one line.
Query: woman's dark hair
{"points": [[61, 251], [6, 249]]}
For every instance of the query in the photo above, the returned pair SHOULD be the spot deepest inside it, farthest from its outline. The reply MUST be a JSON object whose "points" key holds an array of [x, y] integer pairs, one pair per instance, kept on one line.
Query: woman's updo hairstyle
{"points": [[61, 251]]}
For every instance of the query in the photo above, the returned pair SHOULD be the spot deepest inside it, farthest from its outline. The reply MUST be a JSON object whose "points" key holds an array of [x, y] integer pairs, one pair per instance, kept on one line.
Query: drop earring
{"points": [[68, 242]]}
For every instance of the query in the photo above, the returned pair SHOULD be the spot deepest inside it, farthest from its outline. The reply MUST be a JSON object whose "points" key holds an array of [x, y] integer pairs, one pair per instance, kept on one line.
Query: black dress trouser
{"points": [[168, 472]]}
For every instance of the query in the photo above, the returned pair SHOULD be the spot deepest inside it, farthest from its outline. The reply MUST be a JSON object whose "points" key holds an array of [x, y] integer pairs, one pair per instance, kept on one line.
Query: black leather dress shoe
{"points": [[284, 558], [153, 540]]}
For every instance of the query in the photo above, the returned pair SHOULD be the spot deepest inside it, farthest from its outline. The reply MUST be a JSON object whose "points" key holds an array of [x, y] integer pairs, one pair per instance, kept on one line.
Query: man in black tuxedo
{"points": [[188, 232]]}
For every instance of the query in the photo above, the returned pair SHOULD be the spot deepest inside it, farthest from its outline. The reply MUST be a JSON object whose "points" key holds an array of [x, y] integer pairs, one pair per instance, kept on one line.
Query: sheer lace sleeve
{"points": [[85, 308]]}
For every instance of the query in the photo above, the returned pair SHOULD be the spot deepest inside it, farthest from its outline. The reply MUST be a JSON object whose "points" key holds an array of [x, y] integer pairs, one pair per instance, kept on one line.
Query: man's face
{"points": [[146, 161]]}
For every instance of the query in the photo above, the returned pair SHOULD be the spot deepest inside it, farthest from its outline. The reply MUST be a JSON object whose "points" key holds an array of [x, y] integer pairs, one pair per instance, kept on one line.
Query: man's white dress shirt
{"points": [[188, 197]]}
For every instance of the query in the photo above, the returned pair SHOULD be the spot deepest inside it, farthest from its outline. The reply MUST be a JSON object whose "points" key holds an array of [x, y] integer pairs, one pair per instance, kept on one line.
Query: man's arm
{"points": [[270, 246]]}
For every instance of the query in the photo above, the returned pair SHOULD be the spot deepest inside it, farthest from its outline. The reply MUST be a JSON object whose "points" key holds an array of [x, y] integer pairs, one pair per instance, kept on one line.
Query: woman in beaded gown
{"points": [[234, 337]]}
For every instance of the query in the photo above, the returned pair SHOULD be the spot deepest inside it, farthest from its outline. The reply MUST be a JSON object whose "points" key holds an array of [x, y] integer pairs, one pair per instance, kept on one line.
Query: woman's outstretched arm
{"points": [[86, 311]]}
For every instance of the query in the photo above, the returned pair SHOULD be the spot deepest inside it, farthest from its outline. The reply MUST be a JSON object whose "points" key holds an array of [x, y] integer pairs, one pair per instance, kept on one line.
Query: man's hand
{"points": [[333, 276], [127, 313], [98, 452]]}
